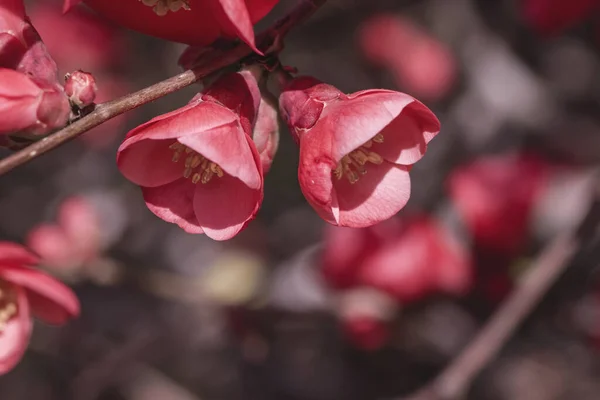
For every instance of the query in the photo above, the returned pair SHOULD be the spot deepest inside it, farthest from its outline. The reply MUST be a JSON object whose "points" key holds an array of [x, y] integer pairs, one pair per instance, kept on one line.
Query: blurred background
{"points": [[292, 309]]}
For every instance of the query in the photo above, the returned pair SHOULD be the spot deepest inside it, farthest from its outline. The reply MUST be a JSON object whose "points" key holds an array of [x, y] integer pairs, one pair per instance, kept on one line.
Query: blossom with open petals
{"points": [[194, 22], [25, 291], [356, 150], [198, 166]]}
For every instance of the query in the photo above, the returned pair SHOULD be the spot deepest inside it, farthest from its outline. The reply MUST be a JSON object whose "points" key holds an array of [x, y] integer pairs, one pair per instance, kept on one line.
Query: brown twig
{"points": [[455, 380], [267, 41]]}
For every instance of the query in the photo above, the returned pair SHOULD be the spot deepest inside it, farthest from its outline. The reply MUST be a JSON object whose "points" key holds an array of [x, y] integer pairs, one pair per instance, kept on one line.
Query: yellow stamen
{"points": [[8, 305], [196, 166], [352, 165], [162, 7]]}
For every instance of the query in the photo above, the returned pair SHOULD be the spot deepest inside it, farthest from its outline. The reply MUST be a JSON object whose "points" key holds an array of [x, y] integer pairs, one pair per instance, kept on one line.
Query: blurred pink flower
{"points": [[551, 17], [93, 43], [421, 64], [197, 166], [422, 259], [73, 241], [495, 196], [355, 150], [377, 270], [25, 291]]}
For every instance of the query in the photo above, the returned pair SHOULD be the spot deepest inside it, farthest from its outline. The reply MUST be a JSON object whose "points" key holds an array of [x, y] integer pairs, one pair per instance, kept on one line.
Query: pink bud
{"points": [[81, 88]]}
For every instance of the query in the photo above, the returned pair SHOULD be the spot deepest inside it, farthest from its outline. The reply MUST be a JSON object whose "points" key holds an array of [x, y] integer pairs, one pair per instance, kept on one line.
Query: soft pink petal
{"points": [[14, 254], [50, 299], [230, 148], [15, 337], [378, 195], [173, 203], [224, 205], [233, 15], [70, 4], [149, 162], [354, 122], [404, 141]]}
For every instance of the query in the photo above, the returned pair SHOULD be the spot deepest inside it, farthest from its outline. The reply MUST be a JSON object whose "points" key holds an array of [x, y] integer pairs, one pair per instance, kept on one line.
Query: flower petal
{"points": [[235, 20], [355, 121], [230, 148], [15, 337], [50, 299], [406, 137], [11, 254], [173, 203], [378, 195], [148, 162], [225, 205]]}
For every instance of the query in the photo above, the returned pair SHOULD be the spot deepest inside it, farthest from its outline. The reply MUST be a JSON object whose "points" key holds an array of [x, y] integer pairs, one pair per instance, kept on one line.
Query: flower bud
{"points": [[80, 88]]}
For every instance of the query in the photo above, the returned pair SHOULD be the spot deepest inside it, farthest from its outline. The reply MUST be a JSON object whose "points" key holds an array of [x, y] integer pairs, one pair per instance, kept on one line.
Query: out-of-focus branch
{"points": [[455, 380], [268, 41]]}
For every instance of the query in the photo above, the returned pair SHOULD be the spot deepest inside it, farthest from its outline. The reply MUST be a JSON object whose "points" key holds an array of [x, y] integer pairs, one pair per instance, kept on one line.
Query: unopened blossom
{"points": [[495, 196], [31, 98], [198, 166], [355, 149], [194, 22], [24, 292], [81, 88]]}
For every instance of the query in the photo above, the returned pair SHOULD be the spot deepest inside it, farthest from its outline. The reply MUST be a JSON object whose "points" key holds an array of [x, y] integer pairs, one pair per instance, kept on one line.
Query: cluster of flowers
{"points": [[201, 166], [378, 271]]}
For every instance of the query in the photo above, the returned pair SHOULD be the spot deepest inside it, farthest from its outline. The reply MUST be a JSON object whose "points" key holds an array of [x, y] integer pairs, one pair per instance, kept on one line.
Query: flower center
{"points": [[352, 165], [162, 7], [8, 304], [196, 166]]}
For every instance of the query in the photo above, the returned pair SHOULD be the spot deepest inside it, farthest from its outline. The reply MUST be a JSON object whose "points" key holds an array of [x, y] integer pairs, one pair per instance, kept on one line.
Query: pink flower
{"points": [[94, 43], [197, 166], [356, 150], [495, 195], [192, 22], [421, 64], [422, 259], [25, 291], [551, 17], [73, 241], [31, 99]]}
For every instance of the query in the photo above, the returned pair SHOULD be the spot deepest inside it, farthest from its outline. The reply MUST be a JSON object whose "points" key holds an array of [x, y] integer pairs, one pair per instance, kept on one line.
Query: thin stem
{"points": [[268, 42], [455, 380]]}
